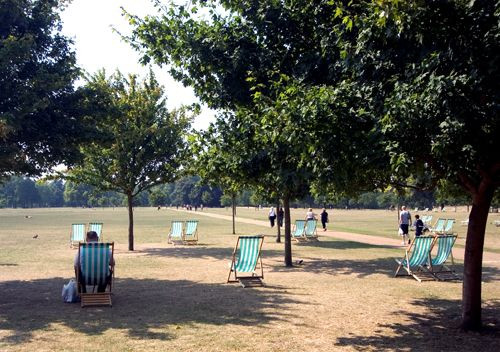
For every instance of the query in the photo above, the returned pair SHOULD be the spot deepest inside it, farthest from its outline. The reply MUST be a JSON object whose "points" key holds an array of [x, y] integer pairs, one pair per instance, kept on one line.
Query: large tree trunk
{"points": [[233, 198], [288, 232], [130, 200], [473, 261], [278, 234]]}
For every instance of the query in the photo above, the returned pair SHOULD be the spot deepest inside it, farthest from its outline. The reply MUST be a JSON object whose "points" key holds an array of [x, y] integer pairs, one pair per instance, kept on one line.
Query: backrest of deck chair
{"points": [[439, 227], [248, 254], [176, 229], [445, 245], [310, 228], [299, 228], [94, 261], [191, 226], [97, 227], [78, 232], [449, 226], [421, 248]]}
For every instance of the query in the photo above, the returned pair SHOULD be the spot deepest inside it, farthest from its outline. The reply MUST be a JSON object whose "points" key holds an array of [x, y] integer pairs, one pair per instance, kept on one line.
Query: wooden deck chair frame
{"points": [[96, 298], [249, 277], [421, 247], [299, 237], [176, 225], [97, 227], [310, 230], [439, 267], [191, 236], [74, 239]]}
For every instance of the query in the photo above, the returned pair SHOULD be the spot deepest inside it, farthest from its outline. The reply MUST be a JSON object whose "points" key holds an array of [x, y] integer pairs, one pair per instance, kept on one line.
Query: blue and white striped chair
{"points": [[97, 227], [444, 254], [176, 234], [191, 232], [77, 234], [417, 257], [247, 261]]}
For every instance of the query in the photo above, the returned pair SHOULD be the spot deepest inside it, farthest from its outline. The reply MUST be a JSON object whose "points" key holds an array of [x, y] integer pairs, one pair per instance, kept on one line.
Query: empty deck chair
{"points": [[444, 254], [97, 227], [448, 228], [439, 226], [310, 231], [298, 233], [417, 258], [176, 234], [191, 232], [77, 234], [247, 261], [96, 269]]}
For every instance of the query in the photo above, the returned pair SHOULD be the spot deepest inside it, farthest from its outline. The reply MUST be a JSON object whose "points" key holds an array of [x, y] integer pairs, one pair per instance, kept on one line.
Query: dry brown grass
{"points": [[175, 298]]}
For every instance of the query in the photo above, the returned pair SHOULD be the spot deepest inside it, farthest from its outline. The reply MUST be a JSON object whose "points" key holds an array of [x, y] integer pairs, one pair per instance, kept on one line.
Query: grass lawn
{"points": [[174, 298], [382, 223]]}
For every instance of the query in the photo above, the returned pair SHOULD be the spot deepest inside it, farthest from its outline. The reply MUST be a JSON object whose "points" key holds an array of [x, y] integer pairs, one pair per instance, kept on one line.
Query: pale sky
{"points": [[89, 22]]}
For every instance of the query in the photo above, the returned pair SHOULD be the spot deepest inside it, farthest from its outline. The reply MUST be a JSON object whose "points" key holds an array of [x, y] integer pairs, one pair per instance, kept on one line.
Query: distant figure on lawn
{"points": [[281, 216], [324, 218], [272, 216], [404, 223], [310, 215], [91, 237], [419, 226]]}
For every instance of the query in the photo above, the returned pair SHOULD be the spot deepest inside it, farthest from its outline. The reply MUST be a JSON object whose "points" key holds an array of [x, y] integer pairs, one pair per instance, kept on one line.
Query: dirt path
{"points": [[458, 253]]}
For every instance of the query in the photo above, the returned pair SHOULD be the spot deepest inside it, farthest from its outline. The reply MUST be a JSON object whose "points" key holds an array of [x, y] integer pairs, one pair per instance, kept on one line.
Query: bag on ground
{"points": [[69, 292]]}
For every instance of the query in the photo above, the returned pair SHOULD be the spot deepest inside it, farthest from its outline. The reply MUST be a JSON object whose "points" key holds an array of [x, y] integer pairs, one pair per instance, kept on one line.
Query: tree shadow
{"points": [[141, 307], [435, 329], [220, 253], [340, 244], [363, 268]]}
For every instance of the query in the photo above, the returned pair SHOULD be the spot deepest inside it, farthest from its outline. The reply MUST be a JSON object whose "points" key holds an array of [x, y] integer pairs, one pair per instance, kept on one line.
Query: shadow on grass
{"points": [[221, 253], [436, 329], [339, 244], [363, 268], [142, 308]]}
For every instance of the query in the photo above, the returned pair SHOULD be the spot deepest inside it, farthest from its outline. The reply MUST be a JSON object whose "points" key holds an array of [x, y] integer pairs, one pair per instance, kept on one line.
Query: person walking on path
{"points": [[272, 216], [419, 226], [324, 218], [404, 223], [310, 215], [281, 216]]}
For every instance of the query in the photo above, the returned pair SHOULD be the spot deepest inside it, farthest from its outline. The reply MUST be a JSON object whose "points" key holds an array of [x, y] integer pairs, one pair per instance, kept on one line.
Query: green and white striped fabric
{"points": [[248, 254], [77, 232], [420, 253], [439, 227], [94, 262], [97, 227], [299, 228], [176, 230], [191, 226], [448, 229], [426, 219], [445, 245], [311, 228]]}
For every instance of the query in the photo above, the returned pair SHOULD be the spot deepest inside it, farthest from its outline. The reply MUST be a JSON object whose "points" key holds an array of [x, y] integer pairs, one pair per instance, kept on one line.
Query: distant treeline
{"points": [[21, 192]]}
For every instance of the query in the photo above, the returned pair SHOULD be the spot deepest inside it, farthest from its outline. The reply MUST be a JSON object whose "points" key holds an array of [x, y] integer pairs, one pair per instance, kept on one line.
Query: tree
{"points": [[147, 144], [41, 124], [366, 74]]}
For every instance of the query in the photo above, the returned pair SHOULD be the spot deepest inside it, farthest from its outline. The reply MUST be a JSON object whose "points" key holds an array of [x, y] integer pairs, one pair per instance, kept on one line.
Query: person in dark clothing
{"points": [[281, 216], [419, 226], [324, 218]]}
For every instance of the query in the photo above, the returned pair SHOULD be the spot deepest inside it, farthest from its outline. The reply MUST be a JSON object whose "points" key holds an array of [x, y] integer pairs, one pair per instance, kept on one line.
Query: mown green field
{"points": [[342, 297]]}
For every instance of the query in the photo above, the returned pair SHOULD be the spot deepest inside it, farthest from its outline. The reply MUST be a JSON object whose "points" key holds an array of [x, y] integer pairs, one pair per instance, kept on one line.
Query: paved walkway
{"points": [[458, 253]]}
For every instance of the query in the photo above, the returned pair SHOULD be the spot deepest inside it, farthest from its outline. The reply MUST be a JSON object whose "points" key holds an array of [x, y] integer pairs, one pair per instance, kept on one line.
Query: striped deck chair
{"points": [[246, 261], [310, 232], [95, 270], [97, 227], [448, 228], [191, 232], [444, 252], [417, 256], [439, 226], [77, 234], [176, 234], [298, 233]]}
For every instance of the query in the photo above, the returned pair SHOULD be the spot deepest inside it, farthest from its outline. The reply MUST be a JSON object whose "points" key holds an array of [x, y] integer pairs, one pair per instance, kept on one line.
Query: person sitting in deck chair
{"points": [[92, 237]]}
